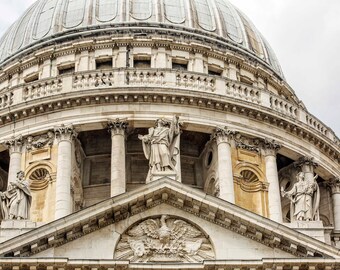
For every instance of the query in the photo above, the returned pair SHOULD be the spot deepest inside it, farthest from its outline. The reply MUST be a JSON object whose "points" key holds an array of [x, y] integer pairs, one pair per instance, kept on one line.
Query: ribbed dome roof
{"points": [[46, 20]]}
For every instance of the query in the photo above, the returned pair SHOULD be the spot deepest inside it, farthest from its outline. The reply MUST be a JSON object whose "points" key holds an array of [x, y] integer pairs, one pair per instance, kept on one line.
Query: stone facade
{"points": [[72, 114]]}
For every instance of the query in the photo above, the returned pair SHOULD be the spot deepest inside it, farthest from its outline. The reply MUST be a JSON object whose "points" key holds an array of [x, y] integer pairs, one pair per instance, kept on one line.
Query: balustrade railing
{"points": [[94, 80], [196, 81], [118, 78], [41, 89], [316, 124], [283, 106], [244, 92], [146, 78], [6, 99]]}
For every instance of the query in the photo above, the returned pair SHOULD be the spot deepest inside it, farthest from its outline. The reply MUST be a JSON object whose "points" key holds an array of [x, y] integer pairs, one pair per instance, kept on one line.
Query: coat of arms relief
{"points": [[164, 239]]}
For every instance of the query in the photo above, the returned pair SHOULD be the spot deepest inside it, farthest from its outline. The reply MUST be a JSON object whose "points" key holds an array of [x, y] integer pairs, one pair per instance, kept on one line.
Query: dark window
{"points": [[141, 63], [104, 63], [66, 69], [32, 78], [180, 65]]}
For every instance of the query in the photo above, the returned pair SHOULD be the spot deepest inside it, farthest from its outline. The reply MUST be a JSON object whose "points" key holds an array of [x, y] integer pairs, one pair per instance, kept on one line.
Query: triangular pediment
{"points": [[168, 194]]}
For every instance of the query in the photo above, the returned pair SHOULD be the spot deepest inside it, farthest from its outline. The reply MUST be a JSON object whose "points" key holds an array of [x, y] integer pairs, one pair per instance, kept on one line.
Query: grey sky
{"points": [[305, 34]]}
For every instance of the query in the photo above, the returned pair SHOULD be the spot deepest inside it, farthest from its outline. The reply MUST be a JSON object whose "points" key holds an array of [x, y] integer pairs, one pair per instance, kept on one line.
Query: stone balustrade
{"points": [[41, 89], [6, 99], [244, 92], [94, 80], [316, 124], [283, 106], [146, 78], [117, 78], [196, 81]]}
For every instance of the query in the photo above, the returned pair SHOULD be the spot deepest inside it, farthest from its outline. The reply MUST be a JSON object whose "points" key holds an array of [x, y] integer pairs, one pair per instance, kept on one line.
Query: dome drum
{"points": [[93, 93]]}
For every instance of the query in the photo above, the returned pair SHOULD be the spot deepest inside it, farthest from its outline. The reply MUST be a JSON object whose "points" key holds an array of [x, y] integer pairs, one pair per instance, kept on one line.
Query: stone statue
{"points": [[305, 199], [16, 200], [164, 239], [161, 146]]}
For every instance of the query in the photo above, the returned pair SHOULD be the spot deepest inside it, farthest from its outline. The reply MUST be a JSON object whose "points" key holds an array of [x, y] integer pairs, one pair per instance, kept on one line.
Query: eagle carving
{"points": [[164, 239]]}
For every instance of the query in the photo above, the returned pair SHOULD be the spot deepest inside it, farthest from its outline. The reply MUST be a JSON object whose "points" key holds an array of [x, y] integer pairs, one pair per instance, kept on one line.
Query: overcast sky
{"points": [[305, 34]]}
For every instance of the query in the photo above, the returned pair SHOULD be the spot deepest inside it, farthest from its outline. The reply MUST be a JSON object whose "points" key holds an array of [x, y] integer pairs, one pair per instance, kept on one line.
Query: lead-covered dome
{"points": [[49, 21]]}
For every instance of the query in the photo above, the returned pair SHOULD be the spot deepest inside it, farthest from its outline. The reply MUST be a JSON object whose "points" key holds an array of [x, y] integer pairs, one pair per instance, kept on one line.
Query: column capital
{"points": [[334, 185], [270, 147], [223, 135], [65, 133], [14, 144], [306, 161], [117, 127]]}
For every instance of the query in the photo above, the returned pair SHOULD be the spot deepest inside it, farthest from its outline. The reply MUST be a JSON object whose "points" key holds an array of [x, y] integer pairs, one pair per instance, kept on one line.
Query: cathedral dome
{"points": [[49, 22]]}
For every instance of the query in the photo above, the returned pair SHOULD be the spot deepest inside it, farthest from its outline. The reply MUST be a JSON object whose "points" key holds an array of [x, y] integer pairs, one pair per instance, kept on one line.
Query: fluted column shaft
{"points": [[15, 151], [64, 136], [118, 166], [335, 191], [270, 149], [225, 169]]}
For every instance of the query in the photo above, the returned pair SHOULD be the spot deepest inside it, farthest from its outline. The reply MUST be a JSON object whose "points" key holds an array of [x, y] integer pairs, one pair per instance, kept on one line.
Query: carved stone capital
{"points": [[38, 142], [223, 135], [14, 145], [117, 127], [270, 147], [306, 163], [65, 133], [334, 185]]}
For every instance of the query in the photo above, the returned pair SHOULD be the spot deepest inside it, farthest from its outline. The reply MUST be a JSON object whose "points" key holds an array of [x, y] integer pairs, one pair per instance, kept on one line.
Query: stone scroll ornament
{"points": [[161, 146], [15, 202], [305, 199], [164, 239]]}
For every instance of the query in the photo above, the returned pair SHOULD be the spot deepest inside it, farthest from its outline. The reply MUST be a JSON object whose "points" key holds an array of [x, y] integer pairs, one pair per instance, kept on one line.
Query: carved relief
{"points": [[40, 141], [40, 179], [164, 239]]}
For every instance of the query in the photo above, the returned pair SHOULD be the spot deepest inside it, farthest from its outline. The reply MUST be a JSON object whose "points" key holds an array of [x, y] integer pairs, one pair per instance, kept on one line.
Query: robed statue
{"points": [[15, 202], [305, 199], [161, 146]]}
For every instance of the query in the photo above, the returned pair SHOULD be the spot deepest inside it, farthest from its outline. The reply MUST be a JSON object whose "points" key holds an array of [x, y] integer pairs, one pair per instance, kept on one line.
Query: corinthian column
{"points": [[269, 150], [118, 173], [223, 138], [334, 185], [64, 136], [14, 146]]}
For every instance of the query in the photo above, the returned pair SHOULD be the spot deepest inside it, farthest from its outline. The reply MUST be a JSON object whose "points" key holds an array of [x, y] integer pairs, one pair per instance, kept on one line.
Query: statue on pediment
{"points": [[164, 239], [161, 146], [15, 202], [304, 197]]}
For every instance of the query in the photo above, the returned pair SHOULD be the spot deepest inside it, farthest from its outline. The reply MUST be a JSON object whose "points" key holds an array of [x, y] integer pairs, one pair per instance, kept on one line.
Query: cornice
{"points": [[90, 264], [214, 210]]}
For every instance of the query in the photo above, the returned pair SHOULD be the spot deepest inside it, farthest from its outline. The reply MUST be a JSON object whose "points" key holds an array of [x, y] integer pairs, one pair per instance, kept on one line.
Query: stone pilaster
{"points": [[14, 146], [269, 150], [334, 185], [117, 129], [223, 138], [64, 136]]}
